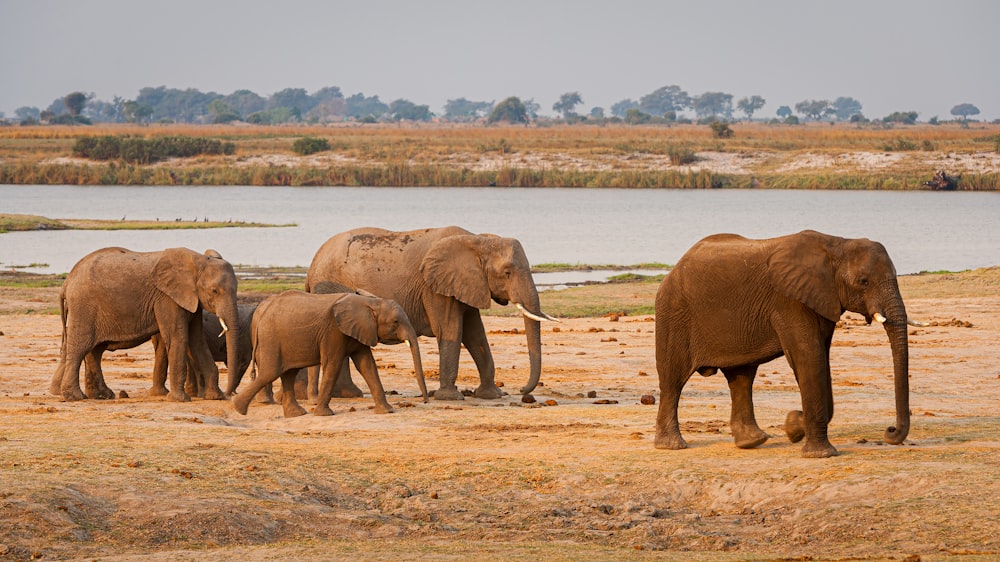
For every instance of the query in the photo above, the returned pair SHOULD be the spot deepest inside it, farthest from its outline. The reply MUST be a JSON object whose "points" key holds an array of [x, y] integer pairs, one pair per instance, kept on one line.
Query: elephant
{"points": [[213, 332], [115, 298], [732, 303], [295, 329], [441, 277]]}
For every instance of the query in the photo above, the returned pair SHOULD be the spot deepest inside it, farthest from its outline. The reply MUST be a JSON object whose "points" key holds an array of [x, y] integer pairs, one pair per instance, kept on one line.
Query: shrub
{"points": [[146, 151], [721, 129], [680, 155], [310, 145]]}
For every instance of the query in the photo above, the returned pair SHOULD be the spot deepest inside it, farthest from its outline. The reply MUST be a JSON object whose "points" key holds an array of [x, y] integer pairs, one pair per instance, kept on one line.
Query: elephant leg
{"points": [[289, 405], [191, 377], [365, 363], [312, 383], [266, 394], [474, 338], [746, 433], [176, 367], [159, 387], [343, 386], [812, 372], [66, 381], [94, 376], [267, 372], [668, 431], [203, 363]]}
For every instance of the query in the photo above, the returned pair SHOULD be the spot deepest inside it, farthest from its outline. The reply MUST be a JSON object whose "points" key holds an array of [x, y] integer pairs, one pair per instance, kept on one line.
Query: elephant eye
{"points": [[863, 281]]}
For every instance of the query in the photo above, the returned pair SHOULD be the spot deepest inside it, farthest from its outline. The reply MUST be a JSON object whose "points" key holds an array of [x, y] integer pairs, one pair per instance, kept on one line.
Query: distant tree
{"points": [[750, 105], [25, 113], [105, 112], [359, 106], [635, 116], [402, 109], [245, 102], [511, 110], [619, 108], [76, 101], [662, 100], [844, 108], [904, 117], [532, 108], [326, 94], [713, 104], [964, 110], [783, 112], [172, 104], [566, 104], [135, 112], [462, 109], [813, 109], [292, 98], [721, 129], [597, 112], [221, 112]]}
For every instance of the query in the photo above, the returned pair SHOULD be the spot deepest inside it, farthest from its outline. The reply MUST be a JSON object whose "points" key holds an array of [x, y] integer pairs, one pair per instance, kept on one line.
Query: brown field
{"points": [[569, 477], [808, 156]]}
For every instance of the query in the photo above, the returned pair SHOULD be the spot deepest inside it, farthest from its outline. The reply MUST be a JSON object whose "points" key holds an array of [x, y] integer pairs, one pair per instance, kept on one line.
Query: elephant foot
{"points": [[101, 393], [178, 396], [214, 394], [240, 404], [752, 441], [322, 411], [818, 450], [73, 394], [383, 408], [451, 393], [348, 392], [669, 441], [294, 411], [488, 391], [795, 427], [158, 391]]}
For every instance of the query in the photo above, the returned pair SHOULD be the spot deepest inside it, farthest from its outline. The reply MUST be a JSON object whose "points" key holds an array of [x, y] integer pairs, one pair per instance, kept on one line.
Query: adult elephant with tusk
{"points": [[441, 277], [732, 304]]}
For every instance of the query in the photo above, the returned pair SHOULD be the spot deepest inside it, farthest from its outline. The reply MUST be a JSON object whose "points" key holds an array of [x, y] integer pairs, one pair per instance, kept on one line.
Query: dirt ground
{"points": [[571, 476]]}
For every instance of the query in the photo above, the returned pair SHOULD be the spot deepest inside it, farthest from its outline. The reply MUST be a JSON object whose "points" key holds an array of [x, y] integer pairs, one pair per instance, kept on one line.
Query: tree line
{"points": [[668, 104]]}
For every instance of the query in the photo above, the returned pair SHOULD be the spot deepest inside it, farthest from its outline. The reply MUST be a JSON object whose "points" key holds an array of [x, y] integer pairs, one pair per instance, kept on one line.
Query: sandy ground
{"points": [[572, 476]]}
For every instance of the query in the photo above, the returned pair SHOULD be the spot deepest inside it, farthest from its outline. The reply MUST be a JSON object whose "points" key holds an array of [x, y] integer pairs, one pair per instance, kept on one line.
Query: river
{"points": [[923, 231]]}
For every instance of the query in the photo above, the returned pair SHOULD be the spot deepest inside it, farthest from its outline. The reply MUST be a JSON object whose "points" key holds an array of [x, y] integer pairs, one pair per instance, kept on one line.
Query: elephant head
{"points": [[373, 320], [206, 280], [477, 269], [830, 275]]}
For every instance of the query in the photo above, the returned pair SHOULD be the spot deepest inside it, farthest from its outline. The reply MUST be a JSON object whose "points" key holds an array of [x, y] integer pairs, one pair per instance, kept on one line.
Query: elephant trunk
{"points": [[895, 329], [232, 329], [409, 335], [533, 334]]}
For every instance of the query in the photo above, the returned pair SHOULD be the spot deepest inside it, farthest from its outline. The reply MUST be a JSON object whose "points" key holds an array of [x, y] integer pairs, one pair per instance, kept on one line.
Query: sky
{"points": [[890, 55]]}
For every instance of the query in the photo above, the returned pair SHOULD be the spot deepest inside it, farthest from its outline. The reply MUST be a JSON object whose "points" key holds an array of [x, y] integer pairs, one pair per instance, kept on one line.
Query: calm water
{"points": [[922, 230]]}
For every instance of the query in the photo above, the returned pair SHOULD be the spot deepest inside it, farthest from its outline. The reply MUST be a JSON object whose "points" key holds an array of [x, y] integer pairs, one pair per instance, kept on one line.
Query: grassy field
{"points": [[14, 223], [812, 156]]}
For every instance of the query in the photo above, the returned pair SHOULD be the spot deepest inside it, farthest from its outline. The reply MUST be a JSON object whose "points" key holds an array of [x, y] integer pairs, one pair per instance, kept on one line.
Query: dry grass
{"points": [[806, 156]]}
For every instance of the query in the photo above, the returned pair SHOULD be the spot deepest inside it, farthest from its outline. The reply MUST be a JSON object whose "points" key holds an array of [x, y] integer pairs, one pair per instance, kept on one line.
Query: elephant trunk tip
{"points": [[895, 436]]}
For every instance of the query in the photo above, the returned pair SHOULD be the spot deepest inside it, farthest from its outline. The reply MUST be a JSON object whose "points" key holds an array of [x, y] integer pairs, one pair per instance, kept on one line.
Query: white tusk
{"points": [[879, 318], [407, 342], [915, 323], [552, 319], [528, 314], [224, 327]]}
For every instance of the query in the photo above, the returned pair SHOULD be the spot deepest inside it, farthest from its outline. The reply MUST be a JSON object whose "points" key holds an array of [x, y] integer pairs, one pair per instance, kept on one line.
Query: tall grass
{"points": [[440, 155]]}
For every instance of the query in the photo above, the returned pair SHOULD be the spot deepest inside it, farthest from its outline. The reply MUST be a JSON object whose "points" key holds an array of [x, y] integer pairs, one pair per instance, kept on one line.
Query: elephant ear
{"points": [[802, 269], [175, 274], [454, 267], [356, 318]]}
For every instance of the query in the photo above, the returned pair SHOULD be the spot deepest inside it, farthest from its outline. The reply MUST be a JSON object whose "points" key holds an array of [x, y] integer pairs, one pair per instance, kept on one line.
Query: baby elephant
{"points": [[296, 329]]}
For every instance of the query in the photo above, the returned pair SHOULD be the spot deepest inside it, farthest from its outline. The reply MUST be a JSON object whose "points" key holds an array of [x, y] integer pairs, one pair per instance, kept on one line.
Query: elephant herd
{"points": [[729, 304]]}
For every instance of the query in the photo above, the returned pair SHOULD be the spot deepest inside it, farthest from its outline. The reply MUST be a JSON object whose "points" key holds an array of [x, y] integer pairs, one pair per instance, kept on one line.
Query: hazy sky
{"points": [[891, 55]]}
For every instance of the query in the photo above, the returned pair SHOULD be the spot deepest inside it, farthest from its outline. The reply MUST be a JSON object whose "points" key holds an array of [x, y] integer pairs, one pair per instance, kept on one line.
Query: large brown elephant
{"points": [[441, 277], [295, 329], [115, 298], [733, 304]]}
